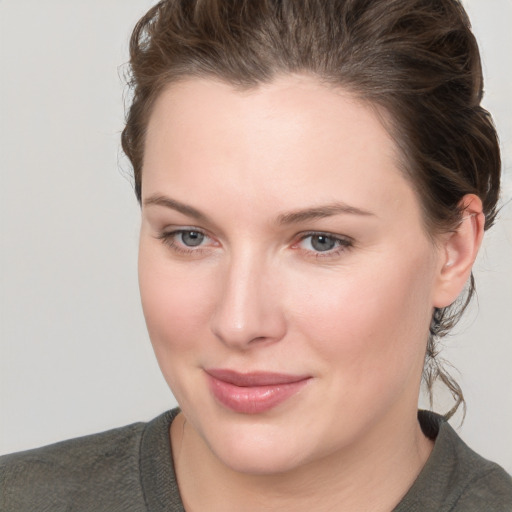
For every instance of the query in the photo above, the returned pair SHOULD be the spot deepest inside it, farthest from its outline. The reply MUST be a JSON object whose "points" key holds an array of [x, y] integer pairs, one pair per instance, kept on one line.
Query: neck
{"points": [[372, 475]]}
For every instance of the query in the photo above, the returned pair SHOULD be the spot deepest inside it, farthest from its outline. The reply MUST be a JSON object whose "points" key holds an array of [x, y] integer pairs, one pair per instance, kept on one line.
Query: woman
{"points": [[315, 179]]}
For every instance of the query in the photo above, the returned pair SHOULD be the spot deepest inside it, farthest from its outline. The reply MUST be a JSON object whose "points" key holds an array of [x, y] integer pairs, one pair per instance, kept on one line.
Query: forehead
{"points": [[281, 143]]}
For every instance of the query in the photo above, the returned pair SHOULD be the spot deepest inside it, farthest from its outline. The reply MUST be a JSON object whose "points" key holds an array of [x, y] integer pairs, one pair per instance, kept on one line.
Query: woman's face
{"points": [[286, 278]]}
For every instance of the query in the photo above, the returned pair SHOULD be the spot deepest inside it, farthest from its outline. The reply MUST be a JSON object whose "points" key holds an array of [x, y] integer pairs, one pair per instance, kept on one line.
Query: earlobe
{"points": [[458, 252]]}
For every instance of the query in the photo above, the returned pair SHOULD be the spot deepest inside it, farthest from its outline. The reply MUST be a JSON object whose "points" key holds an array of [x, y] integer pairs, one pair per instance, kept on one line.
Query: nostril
{"points": [[255, 327]]}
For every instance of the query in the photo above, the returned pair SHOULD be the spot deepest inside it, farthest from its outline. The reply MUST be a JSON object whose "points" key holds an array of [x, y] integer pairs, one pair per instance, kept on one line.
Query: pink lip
{"points": [[255, 392]]}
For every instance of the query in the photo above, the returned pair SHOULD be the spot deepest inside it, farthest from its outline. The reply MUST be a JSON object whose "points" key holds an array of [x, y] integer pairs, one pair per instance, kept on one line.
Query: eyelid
{"points": [[168, 238], [343, 243], [334, 236], [173, 230]]}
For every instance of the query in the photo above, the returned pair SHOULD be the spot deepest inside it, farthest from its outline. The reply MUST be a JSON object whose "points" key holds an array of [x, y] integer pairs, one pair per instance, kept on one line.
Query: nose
{"points": [[248, 308]]}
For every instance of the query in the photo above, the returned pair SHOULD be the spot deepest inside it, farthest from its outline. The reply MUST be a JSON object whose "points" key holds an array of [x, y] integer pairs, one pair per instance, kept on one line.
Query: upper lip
{"points": [[253, 379]]}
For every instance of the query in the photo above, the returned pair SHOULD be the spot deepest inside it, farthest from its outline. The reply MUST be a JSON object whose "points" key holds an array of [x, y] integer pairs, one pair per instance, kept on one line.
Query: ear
{"points": [[457, 252]]}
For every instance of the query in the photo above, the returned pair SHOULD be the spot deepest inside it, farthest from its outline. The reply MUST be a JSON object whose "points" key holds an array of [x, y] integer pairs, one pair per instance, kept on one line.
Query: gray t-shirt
{"points": [[130, 469]]}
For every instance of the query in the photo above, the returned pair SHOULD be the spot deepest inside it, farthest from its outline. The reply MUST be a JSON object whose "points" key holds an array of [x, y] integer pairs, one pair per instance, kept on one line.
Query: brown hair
{"points": [[415, 59]]}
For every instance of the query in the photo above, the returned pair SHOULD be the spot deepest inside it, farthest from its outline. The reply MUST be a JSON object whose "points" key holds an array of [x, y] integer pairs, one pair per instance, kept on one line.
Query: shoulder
{"points": [[483, 485], [479, 483], [490, 489], [100, 468], [455, 478]]}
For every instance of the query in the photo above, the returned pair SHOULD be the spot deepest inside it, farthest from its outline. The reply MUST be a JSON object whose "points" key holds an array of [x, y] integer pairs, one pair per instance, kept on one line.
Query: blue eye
{"points": [[186, 241], [191, 238], [318, 243], [322, 243]]}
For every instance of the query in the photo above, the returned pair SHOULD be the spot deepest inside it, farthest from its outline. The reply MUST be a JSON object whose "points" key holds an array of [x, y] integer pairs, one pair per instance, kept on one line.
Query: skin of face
{"points": [[239, 169]]}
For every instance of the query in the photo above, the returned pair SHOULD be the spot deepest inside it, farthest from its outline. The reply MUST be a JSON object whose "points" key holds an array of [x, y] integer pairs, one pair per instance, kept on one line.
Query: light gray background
{"points": [[75, 357]]}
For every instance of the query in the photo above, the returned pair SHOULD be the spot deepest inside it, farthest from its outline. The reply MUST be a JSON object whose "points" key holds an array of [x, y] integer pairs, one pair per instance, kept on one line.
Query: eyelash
{"points": [[342, 244], [168, 238]]}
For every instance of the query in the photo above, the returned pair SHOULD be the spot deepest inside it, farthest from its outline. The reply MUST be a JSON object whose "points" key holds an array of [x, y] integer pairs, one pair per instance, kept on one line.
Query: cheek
{"points": [[175, 301], [176, 304], [372, 319]]}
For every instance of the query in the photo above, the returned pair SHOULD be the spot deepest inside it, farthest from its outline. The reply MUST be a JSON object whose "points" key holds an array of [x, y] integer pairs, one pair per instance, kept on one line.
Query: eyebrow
{"points": [[321, 212], [175, 205], [293, 217]]}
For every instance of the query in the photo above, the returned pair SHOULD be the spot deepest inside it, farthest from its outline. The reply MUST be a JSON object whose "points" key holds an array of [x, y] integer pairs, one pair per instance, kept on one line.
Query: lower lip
{"points": [[253, 399]]}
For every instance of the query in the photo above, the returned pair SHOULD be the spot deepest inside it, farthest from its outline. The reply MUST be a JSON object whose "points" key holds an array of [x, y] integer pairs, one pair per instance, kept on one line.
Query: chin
{"points": [[256, 459], [257, 446]]}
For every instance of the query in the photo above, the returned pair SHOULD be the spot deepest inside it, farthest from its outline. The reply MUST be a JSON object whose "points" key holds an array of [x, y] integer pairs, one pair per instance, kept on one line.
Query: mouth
{"points": [[255, 392]]}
